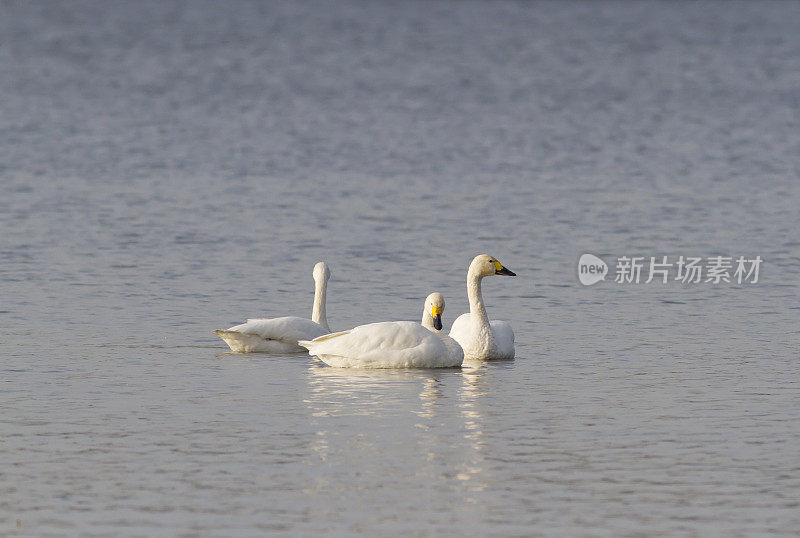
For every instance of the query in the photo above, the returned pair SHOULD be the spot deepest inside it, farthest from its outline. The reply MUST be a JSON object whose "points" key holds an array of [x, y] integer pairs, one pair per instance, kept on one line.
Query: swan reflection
{"points": [[366, 391], [436, 418], [378, 398], [471, 394]]}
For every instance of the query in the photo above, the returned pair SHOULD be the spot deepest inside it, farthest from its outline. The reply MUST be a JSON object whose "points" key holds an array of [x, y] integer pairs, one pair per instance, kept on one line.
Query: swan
{"points": [[480, 338], [392, 344], [280, 335]]}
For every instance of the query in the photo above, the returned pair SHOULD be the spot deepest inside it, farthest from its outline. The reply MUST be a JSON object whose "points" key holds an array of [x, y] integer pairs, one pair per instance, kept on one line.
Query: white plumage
{"points": [[275, 335], [391, 344], [481, 338], [280, 335]]}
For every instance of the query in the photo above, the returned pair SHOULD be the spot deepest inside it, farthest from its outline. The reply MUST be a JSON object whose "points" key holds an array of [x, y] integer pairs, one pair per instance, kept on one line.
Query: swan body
{"points": [[499, 332], [280, 335], [276, 335], [391, 344], [481, 338]]}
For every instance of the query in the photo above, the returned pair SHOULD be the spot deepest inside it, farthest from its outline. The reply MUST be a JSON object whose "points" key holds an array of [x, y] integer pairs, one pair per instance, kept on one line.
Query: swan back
{"points": [[286, 329], [503, 339]]}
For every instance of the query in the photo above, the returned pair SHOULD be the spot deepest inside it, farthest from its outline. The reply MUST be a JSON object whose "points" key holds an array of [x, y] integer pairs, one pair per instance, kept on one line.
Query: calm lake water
{"points": [[171, 168]]}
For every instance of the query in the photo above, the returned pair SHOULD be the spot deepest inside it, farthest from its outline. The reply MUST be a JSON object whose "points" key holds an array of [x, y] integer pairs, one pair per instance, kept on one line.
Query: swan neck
{"points": [[427, 319], [477, 310], [318, 315]]}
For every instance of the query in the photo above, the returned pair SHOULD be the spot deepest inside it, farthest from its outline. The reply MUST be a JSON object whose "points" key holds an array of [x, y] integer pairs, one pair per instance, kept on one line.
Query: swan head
{"points": [[432, 316], [485, 265], [321, 272]]}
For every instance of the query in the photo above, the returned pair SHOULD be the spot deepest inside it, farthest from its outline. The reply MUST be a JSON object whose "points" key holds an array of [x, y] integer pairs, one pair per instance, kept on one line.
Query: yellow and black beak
{"points": [[500, 270], [436, 313]]}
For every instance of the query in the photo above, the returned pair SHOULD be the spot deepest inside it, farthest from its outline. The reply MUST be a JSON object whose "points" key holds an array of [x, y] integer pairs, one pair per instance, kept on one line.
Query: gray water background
{"points": [[170, 168]]}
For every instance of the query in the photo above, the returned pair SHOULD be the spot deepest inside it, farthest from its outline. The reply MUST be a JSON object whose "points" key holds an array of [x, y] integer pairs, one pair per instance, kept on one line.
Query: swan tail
{"points": [[245, 342], [221, 332], [309, 344]]}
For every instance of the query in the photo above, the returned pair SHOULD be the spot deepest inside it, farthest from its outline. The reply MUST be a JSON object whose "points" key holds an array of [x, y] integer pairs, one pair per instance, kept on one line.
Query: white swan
{"points": [[392, 344], [482, 339], [280, 335]]}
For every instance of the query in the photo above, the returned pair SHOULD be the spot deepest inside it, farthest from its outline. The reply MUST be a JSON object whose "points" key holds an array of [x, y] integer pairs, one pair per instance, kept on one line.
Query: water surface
{"points": [[170, 168]]}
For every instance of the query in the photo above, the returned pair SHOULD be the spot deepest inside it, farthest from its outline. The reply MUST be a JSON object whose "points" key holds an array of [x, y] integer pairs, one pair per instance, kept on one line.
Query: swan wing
{"points": [[288, 329], [455, 353], [460, 329], [503, 338]]}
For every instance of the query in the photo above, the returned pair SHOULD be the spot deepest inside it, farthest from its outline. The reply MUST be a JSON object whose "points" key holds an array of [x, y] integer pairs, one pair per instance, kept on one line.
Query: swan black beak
{"points": [[504, 271], [437, 322]]}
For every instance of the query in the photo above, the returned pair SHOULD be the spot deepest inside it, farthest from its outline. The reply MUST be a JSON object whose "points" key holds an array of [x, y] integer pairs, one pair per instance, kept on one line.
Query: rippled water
{"points": [[171, 168]]}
